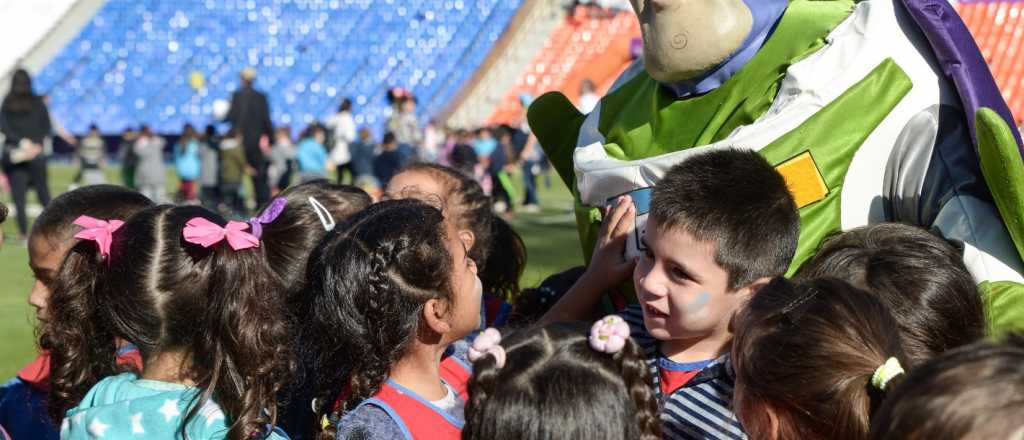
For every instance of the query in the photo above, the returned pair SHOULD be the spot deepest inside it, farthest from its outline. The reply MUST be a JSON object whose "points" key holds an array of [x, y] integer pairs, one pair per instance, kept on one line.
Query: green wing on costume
{"points": [[1003, 169]]}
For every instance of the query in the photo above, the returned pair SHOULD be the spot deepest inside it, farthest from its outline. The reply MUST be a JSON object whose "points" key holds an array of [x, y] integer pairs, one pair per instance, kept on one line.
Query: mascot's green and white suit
{"points": [[873, 111]]}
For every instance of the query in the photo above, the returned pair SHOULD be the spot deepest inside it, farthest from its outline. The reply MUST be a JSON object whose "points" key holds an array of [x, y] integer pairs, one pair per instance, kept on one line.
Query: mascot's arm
{"points": [[556, 122], [1003, 169], [933, 180]]}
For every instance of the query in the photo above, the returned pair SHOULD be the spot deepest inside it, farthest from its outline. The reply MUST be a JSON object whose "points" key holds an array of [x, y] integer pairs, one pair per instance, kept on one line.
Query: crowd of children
{"points": [[212, 167], [334, 313]]}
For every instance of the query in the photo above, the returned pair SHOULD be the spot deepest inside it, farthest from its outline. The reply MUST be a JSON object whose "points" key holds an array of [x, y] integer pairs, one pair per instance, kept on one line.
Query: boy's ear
{"points": [[468, 238], [434, 313], [751, 289]]}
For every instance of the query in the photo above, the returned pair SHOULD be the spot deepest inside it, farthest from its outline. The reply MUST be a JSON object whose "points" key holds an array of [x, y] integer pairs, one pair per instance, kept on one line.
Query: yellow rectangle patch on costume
{"points": [[803, 179]]}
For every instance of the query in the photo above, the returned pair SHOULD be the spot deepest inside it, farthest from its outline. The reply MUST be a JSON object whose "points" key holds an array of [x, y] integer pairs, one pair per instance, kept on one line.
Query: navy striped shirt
{"points": [[701, 409]]}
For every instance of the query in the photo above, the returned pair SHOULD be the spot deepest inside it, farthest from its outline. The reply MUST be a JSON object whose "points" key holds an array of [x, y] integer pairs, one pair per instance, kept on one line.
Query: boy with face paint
{"points": [[873, 111], [713, 239]]}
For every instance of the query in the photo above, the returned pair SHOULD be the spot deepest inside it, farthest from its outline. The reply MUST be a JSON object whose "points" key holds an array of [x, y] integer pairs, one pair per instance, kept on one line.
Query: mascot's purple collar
{"points": [[766, 13]]}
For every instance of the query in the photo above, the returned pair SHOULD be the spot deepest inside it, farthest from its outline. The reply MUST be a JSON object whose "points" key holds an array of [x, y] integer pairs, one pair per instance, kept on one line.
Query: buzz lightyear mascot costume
{"points": [[873, 110]]}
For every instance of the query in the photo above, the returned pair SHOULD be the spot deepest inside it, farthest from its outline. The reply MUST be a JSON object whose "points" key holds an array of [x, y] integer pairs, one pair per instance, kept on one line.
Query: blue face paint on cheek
{"points": [[698, 303]]}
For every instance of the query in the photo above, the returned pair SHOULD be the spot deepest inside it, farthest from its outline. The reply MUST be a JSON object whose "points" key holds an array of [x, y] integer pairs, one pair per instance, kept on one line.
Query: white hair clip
{"points": [[326, 219]]}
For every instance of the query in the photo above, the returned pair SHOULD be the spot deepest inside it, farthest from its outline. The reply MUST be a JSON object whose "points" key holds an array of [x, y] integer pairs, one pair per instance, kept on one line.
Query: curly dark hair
{"points": [[369, 281], [554, 385], [75, 281], [219, 306]]}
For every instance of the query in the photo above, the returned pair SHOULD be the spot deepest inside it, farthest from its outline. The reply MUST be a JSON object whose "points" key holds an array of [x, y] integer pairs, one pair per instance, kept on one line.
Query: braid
{"points": [[481, 386], [640, 386]]}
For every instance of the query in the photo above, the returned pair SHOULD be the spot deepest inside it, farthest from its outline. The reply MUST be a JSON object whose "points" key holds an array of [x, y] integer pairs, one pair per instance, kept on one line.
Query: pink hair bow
{"points": [[100, 231], [609, 334], [488, 342], [206, 233]]}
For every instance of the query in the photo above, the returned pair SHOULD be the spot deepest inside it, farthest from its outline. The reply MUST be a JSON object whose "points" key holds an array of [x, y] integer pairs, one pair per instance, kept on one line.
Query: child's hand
{"points": [[609, 267]]}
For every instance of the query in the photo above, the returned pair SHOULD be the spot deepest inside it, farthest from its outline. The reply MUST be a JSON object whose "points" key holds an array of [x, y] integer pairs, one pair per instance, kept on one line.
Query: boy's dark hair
{"points": [[554, 385], [389, 138], [161, 293], [919, 276], [735, 199], [369, 280], [975, 391], [806, 351]]}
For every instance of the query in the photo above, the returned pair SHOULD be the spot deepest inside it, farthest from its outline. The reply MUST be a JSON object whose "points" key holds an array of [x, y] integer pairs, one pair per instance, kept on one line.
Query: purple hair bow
{"points": [[270, 214]]}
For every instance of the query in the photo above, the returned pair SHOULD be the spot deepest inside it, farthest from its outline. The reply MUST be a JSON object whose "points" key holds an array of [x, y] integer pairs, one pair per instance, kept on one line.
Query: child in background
{"points": [[233, 168], [129, 160], [195, 294], [389, 161], [918, 275], [149, 174], [90, 155], [561, 381], [721, 224], [394, 289], [311, 155], [186, 163], [468, 210], [282, 154], [363, 151], [972, 392], [23, 399], [209, 168], [813, 360]]}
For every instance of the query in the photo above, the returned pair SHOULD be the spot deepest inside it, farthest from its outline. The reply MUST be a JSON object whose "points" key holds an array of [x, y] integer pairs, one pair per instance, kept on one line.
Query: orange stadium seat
{"points": [[580, 48], [998, 28]]}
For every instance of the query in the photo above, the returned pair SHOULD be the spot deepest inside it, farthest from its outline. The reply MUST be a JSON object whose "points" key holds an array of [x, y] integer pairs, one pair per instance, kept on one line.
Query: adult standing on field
{"points": [[25, 124], [250, 116]]}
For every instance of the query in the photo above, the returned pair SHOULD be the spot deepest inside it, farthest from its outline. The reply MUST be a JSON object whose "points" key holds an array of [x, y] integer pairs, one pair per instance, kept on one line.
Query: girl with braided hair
{"points": [[556, 382], [394, 291], [492, 243]]}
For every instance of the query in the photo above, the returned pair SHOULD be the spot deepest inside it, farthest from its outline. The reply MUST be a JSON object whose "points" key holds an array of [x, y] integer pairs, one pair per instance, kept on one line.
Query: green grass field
{"points": [[550, 237]]}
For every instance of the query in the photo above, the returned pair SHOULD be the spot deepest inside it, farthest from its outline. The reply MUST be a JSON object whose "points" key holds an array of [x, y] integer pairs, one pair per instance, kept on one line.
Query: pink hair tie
{"points": [[100, 231], [488, 342], [206, 233], [609, 334]]}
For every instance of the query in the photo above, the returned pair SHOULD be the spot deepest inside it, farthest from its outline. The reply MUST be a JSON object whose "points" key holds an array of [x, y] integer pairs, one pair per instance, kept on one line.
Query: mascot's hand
{"points": [[609, 266]]}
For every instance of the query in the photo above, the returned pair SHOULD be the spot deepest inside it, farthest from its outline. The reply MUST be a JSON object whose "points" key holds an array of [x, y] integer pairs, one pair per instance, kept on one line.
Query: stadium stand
{"points": [[165, 63], [582, 47]]}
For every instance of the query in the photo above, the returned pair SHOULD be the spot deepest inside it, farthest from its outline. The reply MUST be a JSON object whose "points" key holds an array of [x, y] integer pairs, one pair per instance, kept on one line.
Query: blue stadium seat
{"points": [[133, 62]]}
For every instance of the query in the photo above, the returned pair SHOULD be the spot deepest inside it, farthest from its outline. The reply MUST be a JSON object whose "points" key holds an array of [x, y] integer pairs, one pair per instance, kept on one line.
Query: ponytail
{"points": [[240, 354], [81, 343]]}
